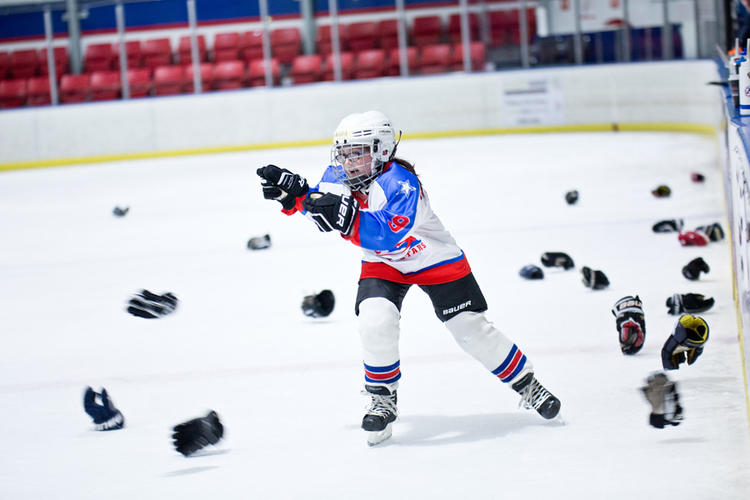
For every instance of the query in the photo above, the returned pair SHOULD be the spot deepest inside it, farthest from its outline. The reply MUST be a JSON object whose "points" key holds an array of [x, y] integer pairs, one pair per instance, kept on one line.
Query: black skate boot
{"points": [[380, 415], [534, 395]]}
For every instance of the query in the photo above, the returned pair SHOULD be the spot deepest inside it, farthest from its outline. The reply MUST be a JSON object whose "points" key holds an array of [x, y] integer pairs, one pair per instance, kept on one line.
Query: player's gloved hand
{"points": [[332, 211], [631, 323], [149, 305], [686, 343], [197, 433], [282, 185], [665, 402], [106, 417]]}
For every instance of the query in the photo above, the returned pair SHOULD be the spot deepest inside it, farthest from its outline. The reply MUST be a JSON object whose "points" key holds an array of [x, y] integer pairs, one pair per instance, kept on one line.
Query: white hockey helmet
{"points": [[362, 144]]}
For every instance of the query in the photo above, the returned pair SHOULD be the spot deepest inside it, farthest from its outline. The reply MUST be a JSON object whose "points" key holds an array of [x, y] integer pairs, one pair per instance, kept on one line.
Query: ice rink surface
{"points": [[287, 387]]}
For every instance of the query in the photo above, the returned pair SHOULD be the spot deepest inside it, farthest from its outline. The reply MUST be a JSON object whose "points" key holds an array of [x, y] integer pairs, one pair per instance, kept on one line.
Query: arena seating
{"points": [[75, 88], [347, 66], [13, 93], [226, 47], [369, 64], [306, 69], [38, 91], [184, 50], [169, 80], [105, 85], [24, 63], [228, 75]]}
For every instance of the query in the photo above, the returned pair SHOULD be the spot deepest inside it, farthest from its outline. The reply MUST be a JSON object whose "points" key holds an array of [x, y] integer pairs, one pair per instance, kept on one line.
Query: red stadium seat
{"points": [[363, 36], [306, 69], [105, 85], [207, 77], [323, 40], [139, 81], [256, 73], [427, 31], [99, 57], [185, 51], [60, 55], [169, 80], [388, 34], [369, 64], [285, 44], [226, 47], [133, 51], [251, 46], [38, 91], [228, 75], [75, 88], [24, 63], [4, 64], [13, 93], [347, 66], [454, 27], [393, 67], [505, 26], [435, 59], [477, 52], [156, 52]]}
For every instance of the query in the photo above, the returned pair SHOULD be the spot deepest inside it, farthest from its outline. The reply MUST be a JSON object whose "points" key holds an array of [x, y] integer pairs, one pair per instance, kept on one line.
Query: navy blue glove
{"points": [[686, 343], [332, 211], [282, 185], [100, 408], [149, 305]]}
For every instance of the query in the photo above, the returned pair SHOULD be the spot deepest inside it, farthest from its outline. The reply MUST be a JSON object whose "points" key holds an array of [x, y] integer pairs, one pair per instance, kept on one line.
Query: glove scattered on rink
{"points": [[282, 185], [120, 212], [713, 231], [101, 409], [692, 239], [688, 303], [319, 305], [697, 177], [196, 434], [332, 211], [662, 394], [662, 191], [686, 343], [531, 272], [594, 279], [631, 323], [668, 226], [557, 259], [150, 305], [571, 197], [259, 242], [694, 268]]}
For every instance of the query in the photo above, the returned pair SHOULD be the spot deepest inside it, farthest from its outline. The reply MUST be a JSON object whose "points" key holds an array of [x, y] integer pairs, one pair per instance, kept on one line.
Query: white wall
{"points": [[627, 93]]}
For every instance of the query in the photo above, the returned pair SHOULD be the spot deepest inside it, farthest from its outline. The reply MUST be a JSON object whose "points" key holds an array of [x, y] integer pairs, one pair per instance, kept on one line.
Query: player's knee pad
{"points": [[378, 324], [479, 338]]}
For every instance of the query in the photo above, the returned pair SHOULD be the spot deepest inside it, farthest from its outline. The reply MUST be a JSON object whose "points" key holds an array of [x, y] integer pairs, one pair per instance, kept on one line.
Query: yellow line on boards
{"points": [[603, 127]]}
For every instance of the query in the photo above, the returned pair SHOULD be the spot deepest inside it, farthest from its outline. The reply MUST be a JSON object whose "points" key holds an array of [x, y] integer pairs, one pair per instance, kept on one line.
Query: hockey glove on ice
{"points": [[332, 211], [686, 343], [197, 433], [149, 305], [693, 269], [593, 278], [557, 259], [282, 185], [713, 231], [665, 402], [631, 323], [320, 305], [100, 408], [689, 303], [668, 226]]}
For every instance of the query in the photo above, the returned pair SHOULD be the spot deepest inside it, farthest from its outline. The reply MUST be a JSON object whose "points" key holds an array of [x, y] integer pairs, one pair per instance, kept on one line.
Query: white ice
{"points": [[287, 387]]}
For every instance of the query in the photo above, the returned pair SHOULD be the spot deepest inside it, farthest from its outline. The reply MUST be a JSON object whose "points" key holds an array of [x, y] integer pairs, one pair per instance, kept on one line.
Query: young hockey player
{"points": [[377, 202]]}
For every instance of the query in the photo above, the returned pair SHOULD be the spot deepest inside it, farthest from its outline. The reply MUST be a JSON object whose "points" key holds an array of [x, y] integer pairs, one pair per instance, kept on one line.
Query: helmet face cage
{"points": [[358, 164]]}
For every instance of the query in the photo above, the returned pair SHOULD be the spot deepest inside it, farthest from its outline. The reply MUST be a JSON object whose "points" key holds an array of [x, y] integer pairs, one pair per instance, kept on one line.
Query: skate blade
{"points": [[376, 437]]}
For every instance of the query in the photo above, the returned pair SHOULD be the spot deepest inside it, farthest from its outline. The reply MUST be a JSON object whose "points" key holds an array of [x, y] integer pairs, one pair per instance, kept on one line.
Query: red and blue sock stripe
{"points": [[512, 366], [383, 374]]}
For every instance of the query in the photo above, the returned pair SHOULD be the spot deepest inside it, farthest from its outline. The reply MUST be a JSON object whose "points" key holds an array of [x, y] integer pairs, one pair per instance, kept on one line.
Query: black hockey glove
{"points": [[693, 269], [332, 211], [594, 279], [668, 226], [101, 409], [662, 394], [557, 259], [149, 305], [197, 433], [282, 185], [686, 343], [689, 303], [631, 323], [713, 231], [320, 305], [259, 242]]}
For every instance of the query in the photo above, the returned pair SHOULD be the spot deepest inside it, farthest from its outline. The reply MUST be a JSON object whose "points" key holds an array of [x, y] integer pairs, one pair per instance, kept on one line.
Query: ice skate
{"points": [[378, 421], [534, 395]]}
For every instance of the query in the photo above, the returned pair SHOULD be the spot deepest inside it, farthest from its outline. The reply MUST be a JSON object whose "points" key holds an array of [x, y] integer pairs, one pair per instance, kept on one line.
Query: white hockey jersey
{"points": [[401, 237]]}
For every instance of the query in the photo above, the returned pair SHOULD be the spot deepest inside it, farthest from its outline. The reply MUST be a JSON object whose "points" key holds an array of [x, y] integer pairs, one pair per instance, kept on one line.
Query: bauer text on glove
{"points": [[331, 211]]}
